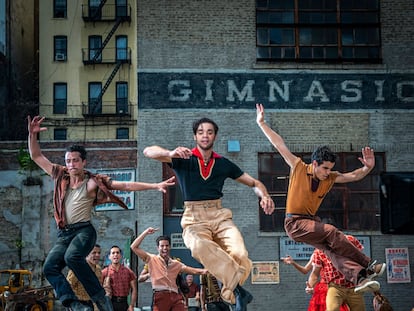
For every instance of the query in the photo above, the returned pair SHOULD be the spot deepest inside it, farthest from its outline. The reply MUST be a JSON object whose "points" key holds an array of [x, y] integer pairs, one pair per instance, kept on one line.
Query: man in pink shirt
{"points": [[163, 272]]}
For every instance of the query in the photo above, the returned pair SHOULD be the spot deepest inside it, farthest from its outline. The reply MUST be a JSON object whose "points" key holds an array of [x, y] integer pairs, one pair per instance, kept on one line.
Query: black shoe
{"points": [[243, 298], [79, 306], [104, 304]]}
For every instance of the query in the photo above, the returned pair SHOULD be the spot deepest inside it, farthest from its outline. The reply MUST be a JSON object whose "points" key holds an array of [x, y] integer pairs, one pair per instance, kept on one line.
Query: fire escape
{"points": [[114, 58]]}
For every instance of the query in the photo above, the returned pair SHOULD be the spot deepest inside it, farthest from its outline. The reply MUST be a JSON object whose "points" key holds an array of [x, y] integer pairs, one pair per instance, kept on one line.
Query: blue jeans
{"points": [[71, 249], [217, 306]]}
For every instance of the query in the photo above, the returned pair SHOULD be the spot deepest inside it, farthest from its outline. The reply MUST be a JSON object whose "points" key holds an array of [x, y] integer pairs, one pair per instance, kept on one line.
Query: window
{"points": [[95, 98], [95, 10], [60, 98], [121, 97], [122, 133], [350, 206], [173, 200], [95, 48], [60, 134], [60, 45], [121, 48], [121, 8], [324, 30], [59, 9]]}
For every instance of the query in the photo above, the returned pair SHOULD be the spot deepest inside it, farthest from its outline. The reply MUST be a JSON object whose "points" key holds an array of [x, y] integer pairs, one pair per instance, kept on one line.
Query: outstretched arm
{"points": [[165, 155], [135, 246], [266, 202], [140, 186], [303, 269], [34, 128], [192, 270], [275, 139], [368, 162]]}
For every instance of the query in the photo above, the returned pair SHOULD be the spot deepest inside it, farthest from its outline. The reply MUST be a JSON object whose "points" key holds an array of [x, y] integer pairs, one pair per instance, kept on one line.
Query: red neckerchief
{"points": [[205, 170]]}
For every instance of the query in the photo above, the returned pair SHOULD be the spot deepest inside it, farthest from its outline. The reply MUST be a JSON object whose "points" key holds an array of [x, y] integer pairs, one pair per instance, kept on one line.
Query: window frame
{"points": [[279, 31], [122, 101], [60, 103], [93, 50], [95, 9], [91, 109], [351, 195], [60, 9], [121, 8], [60, 134], [60, 47], [121, 48], [122, 133]]}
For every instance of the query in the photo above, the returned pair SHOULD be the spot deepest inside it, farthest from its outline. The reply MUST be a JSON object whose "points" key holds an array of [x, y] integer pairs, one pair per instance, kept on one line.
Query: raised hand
{"points": [[259, 114], [368, 157], [34, 126], [151, 230]]}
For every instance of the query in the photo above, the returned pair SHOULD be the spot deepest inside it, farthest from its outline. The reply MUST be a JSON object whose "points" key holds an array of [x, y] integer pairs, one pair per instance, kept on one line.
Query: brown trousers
{"points": [[167, 301], [345, 256]]}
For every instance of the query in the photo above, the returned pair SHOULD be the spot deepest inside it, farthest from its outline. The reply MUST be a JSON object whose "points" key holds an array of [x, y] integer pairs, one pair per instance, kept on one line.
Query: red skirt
{"points": [[318, 300]]}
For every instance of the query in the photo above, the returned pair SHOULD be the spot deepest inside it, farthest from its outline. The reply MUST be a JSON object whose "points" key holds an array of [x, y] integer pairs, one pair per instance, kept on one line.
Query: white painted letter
{"points": [[400, 91], [355, 90], [380, 88], [184, 93], [316, 90], [209, 92], [245, 94], [283, 93]]}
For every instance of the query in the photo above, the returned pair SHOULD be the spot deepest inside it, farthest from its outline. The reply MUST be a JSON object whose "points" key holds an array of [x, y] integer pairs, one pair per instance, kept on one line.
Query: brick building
{"points": [[343, 78], [325, 77]]}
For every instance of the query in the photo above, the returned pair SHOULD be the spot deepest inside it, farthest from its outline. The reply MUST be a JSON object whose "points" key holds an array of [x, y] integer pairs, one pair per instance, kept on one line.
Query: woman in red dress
{"points": [[319, 291]]}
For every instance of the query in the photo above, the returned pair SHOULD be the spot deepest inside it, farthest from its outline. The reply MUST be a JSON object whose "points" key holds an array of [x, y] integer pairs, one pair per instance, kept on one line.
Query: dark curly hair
{"points": [[77, 148], [163, 238], [323, 153]]}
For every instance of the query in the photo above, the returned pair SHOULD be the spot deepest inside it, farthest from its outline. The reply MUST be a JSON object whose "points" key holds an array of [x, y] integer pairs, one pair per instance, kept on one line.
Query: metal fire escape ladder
{"points": [[97, 100], [108, 37], [111, 77]]}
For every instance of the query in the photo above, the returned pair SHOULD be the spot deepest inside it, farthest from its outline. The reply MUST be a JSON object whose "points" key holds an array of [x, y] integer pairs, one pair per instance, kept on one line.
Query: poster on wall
{"points": [[127, 196], [265, 272], [177, 241], [398, 265]]}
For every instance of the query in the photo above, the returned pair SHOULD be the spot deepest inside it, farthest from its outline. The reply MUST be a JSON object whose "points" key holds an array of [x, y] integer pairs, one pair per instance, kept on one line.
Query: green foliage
{"points": [[19, 243], [27, 167]]}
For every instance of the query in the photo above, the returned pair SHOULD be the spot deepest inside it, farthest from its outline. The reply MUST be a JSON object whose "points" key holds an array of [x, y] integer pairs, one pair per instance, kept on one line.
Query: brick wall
{"points": [[196, 34], [200, 36], [397, 33]]}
